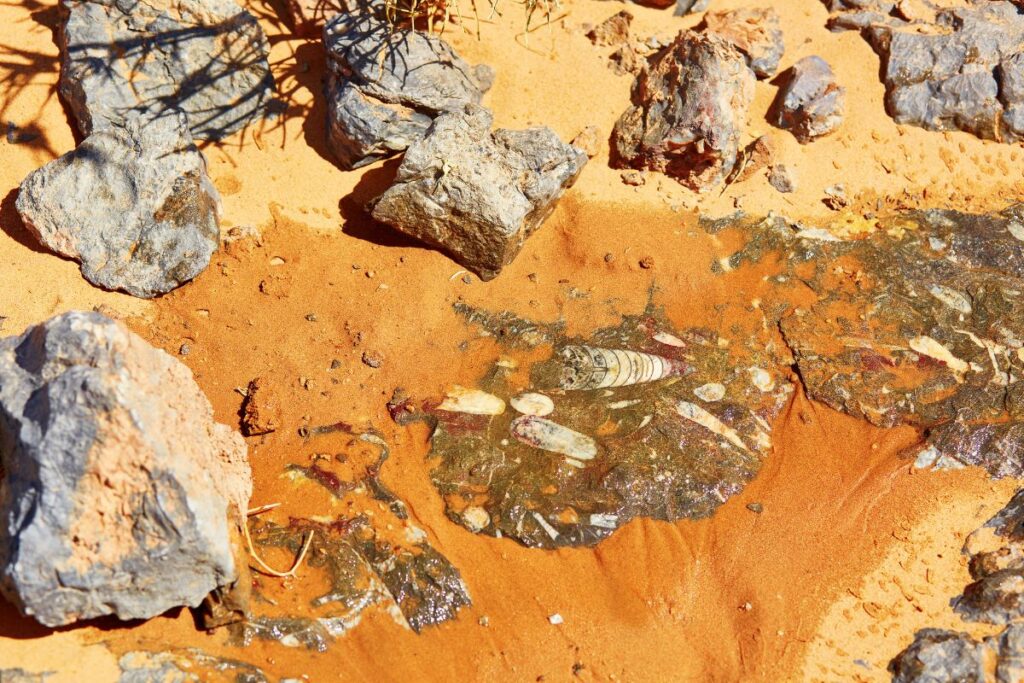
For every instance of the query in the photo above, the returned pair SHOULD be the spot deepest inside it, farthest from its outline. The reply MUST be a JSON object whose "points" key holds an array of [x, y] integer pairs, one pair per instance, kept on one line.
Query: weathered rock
{"points": [[782, 178], [960, 68], [589, 141], [259, 409], [756, 32], [627, 60], [996, 551], [120, 490], [811, 103], [684, 7], [635, 420], [478, 194], [385, 86], [207, 58], [936, 656], [132, 204], [688, 111], [612, 31]]}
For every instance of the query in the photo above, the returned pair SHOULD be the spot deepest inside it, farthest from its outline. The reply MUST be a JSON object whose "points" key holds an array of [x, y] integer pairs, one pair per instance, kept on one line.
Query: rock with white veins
{"points": [[132, 204], [120, 493], [478, 194]]}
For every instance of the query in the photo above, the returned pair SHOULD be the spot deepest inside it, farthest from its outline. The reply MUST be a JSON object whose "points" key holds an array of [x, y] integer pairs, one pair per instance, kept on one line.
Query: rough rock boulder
{"points": [[475, 193], [207, 58], [386, 86], [811, 104], [958, 68], [120, 492], [755, 32], [132, 204], [688, 111]]}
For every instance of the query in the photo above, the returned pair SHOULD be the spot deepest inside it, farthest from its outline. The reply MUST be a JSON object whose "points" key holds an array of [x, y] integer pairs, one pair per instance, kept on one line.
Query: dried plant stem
{"points": [[266, 568]]}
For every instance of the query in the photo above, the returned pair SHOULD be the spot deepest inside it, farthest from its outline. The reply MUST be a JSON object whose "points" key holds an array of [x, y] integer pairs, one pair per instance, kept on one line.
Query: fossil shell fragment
{"points": [[710, 392], [532, 403], [695, 413], [472, 401], [590, 367], [551, 436], [927, 346]]}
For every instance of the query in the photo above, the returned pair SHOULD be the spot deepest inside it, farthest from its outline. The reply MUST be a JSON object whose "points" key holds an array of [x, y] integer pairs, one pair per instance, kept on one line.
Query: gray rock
{"points": [[684, 7], [938, 656], [782, 178], [207, 58], [120, 491], [811, 103], [132, 204], [996, 552], [756, 32], [688, 110], [478, 194], [959, 69], [386, 86]]}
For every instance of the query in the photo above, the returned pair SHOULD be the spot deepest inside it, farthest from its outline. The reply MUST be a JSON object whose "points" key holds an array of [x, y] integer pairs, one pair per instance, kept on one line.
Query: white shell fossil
{"points": [[694, 413], [475, 518], [533, 404], [927, 346], [551, 436], [472, 401], [590, 367], [952, 298], [710, 392], [761, 379], [669, 340]]}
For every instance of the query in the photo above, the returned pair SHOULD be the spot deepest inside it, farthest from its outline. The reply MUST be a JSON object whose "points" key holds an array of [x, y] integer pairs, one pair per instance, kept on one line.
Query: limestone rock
{"points": [[756, 32], [475, 193], [386, 86], [782, 178], [612, 31], [688, 111], [120, 491], [811, 103], [207, 58], [132, 204], [958, 68]]}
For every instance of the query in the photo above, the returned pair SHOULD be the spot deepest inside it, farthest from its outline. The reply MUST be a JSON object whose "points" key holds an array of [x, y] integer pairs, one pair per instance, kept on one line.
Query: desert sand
{"points": [[853, 552]]}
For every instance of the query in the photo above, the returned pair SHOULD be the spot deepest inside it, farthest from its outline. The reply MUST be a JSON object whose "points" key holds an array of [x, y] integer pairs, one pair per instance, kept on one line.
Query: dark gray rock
{"points": [[684, 7], [386, 86], [811, 103], [960, 69], [782, 178], [689, 108], [940, 656], [756, 32], [132, 204], [996, 551], [207, 58], [120, 491], [478, 194]]}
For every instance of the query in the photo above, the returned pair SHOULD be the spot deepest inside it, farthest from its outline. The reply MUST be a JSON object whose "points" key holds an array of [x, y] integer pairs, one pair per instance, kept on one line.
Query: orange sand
{"points": [[795, 593]]}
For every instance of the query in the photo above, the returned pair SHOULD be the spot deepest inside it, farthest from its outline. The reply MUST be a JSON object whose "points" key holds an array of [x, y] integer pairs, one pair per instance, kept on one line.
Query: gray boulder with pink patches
{"points": [[119, 491]]}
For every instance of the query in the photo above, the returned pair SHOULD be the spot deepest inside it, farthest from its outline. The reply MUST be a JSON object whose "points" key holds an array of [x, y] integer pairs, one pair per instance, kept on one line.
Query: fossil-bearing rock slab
{"points": [[207, 58], [372, 557], [120, 492], [637, 420], [132, 204], [938, 655], [689, 109], [811, 104], [385, 86], [917, 321], [961, 68], [477, 194], [755, 31]]}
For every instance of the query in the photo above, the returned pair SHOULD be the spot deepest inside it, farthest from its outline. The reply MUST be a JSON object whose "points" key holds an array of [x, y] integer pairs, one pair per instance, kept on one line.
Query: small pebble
{"points": [[371, 359], [647, 262], [634, 178], [484, 621], [556, 619], [609, 257], [185, 350], [335, 364], [311, 317], [755, 507], [467, 279]]}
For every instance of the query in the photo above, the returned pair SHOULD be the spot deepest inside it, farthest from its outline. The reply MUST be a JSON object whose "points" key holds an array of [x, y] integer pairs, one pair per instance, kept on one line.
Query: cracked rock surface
{"points": [[119, 491], [207, 58], [955, 68], [132, 204], [477, 194], [386, 86]]}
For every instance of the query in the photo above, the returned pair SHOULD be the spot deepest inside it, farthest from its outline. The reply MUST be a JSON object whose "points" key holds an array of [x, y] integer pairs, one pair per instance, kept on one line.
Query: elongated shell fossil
{"points": [[551, 436], [589, 367]]}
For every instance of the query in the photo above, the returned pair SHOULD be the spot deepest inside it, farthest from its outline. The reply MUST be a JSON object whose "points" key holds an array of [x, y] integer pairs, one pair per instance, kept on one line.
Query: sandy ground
{"points": [[853, 551]]}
